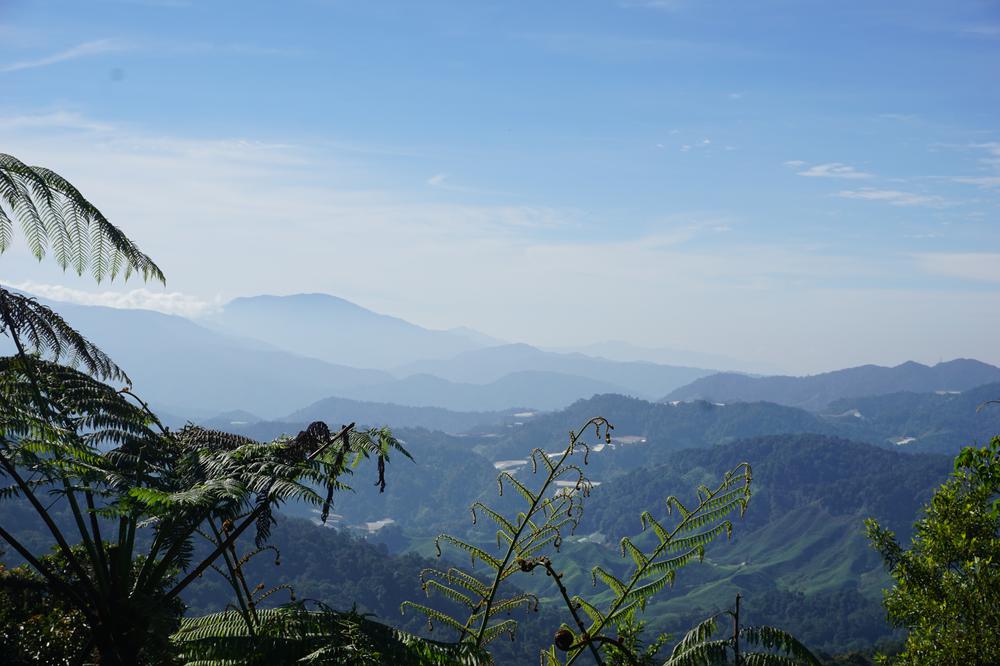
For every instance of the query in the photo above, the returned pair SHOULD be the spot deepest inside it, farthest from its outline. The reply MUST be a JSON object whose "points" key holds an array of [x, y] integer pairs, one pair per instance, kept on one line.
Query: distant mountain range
{"points": [[480, 366], [907, 422], [338, 331], [619, 350], [192, 371], [527, 389], [266, 355], [272, 355], [816, 392], [342, 410]]}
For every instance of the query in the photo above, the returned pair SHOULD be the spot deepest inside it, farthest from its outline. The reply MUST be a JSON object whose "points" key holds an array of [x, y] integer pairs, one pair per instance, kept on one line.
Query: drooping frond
{"points": [[776, 647], [702, 632], [54, 216], [292, 633], [776, 640], [44, 332], [706, 653]]}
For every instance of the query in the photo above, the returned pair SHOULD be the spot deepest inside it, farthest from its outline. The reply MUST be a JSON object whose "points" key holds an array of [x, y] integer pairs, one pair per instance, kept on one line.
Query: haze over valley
{"points": [[645, 332]]}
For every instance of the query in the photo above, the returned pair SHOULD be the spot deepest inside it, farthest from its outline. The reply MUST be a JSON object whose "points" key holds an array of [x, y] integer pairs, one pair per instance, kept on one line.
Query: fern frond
{"points": [[51, 210], [772, 638], [709, 652], [434, 615], [453, 594]]}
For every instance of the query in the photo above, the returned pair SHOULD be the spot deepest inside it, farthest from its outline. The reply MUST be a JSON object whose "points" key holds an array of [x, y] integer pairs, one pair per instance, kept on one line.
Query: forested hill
{"points": [[837, 476], [922, 422], [799, 556], [649, 433], [816, 392], [665, 427]]}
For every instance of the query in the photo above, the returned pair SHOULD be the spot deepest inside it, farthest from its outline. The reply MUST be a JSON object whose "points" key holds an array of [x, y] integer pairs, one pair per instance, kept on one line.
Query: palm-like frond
{"points": [[777, 647], [55, 216], [293, 634], [46, 333], [779, 644]]}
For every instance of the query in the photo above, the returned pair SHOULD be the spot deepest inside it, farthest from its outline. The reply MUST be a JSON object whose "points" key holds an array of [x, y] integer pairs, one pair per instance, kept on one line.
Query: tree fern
{"points": [[95, 443]]}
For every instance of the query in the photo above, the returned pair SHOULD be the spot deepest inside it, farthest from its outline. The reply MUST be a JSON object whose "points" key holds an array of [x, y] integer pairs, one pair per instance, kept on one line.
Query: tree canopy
{"points": [[947, 583]]}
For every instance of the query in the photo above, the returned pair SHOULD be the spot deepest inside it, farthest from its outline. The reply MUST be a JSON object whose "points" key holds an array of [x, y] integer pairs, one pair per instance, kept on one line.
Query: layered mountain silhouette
{"points": [[192, 371], [639, 378], [338, 331], [816, 392]]}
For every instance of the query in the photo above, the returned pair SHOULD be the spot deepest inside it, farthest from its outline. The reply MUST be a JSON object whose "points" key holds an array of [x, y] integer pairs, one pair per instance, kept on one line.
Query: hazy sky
{"points": [[806, 184]]}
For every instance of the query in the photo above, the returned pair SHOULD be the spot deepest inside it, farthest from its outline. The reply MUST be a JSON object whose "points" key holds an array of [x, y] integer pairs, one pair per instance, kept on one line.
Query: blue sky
{"points": [[802, 184]]}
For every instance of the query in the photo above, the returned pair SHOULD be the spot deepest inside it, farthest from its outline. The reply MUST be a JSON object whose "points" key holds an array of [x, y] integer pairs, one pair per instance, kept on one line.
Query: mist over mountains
{"points": [[338, 331], [274, 355], [841, 445]]}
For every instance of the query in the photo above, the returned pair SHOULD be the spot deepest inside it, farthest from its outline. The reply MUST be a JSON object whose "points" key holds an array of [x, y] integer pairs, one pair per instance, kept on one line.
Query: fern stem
{"points": [[56, 582], [524, 523], [641, 570], [557, 577], [246, 604]]}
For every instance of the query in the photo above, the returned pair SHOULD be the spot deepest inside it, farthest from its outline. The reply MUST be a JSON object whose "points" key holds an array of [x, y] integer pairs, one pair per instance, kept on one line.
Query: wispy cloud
{"points": [[80, 51], [175, 303], [894, 197], [975, 266], [54, 120], [981, 181], [438, 180], [830, 170], [238, 217], [443, 181]]}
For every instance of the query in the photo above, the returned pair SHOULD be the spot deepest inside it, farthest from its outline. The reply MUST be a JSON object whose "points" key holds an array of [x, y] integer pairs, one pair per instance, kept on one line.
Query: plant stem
{"points": [[547, 563]]}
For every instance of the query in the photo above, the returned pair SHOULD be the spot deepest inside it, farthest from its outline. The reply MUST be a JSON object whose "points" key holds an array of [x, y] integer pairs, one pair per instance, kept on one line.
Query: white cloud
{"points": [[832, 170], [794, 164], [894, 197], [238, 217], [975, 266], [438, 180], [80, 51], [174, 303]]}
